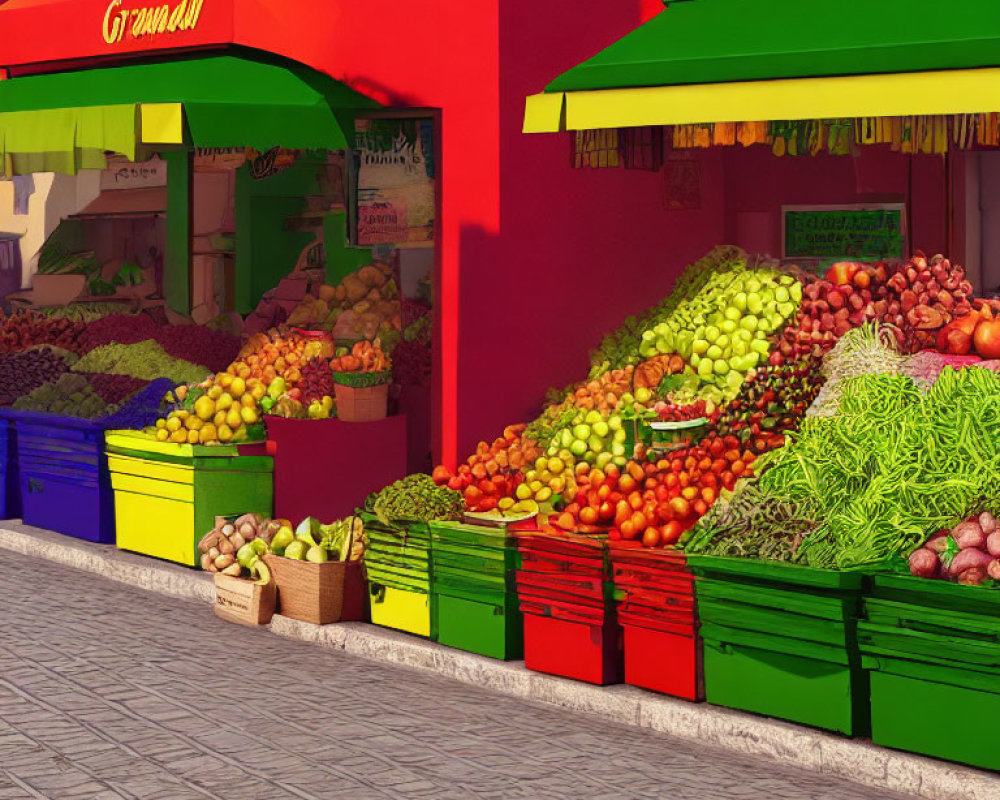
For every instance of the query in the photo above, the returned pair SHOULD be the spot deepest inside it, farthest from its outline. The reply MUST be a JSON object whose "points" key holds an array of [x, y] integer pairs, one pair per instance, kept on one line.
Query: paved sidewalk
{"points": [[111, 692]]}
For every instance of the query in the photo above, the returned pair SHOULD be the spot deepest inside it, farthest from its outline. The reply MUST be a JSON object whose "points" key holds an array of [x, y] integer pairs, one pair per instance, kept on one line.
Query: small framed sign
{"points": [[858, 232]]}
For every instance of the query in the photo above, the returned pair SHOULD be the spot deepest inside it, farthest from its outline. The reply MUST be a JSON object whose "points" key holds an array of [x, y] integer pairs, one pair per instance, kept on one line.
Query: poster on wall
{"points": [[863, 232], [394, 178]]}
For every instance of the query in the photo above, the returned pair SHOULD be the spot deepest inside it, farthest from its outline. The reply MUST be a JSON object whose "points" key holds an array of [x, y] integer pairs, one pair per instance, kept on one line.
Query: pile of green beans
{"points": [[890, 468]]}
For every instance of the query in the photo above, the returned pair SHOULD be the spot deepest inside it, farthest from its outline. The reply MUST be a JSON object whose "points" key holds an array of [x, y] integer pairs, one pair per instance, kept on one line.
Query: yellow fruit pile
{"points": [[220, 415], [550, 476]]}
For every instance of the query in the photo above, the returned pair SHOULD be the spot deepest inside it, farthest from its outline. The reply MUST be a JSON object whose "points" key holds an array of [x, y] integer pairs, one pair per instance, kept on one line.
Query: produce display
{"points": [[674, 412], [891, 467], [115, 389], [365, 305], [317, 543], [969, 553], [71, 395], [199, 345], [233, 546], [723, 330], [220, 410], [364, 357], [494, 471], [145, 359], [23, 329], [27, 370], [415, 497]]}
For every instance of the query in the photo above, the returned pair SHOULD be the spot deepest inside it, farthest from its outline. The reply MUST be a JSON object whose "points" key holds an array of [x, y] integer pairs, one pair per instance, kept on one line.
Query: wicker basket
{"points": [[333, 591], [362, 404], [244, 601]]}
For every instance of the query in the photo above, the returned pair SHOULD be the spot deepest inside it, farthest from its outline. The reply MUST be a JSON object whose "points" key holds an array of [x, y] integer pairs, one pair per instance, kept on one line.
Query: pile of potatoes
{"points": [[219, 547]]}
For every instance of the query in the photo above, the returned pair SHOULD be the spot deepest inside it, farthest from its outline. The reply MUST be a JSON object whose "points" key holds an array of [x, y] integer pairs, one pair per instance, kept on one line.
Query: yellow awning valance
{"points": [[964, 91]]}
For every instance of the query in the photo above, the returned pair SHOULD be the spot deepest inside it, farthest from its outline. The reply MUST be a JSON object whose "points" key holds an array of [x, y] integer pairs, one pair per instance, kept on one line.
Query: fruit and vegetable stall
{"points": [[776, 477]]}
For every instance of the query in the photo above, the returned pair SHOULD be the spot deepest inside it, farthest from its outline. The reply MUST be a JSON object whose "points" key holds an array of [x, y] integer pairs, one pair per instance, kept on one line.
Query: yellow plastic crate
{"points": [[167, 496], [401, 609]]}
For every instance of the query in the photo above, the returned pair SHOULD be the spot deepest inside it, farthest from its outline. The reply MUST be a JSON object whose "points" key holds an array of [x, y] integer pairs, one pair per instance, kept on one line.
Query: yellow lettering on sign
{"points": [[149, 21]]}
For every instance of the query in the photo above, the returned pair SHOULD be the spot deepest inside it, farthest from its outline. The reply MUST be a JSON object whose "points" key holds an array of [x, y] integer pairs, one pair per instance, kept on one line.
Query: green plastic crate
{"points": [[749, 569], [489, 627], [943, 595], [791, 679], [476, 608], [907, 698], [781, 640]]}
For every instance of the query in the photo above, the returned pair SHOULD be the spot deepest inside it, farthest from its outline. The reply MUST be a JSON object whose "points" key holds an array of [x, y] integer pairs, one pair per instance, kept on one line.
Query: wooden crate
{"points": [[318, 593], [244, 601]]}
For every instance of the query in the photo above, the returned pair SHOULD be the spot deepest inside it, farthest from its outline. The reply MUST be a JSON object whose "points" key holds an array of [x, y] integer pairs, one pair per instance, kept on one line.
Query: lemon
{"points": [[179, 437], [204, 407], [161, 423], [215, 392], [192, 437], [522, 492], [182, 414], [226, 380], [162, 435], [207, 433], [224, 402], [233, 418], [556, 465], [237, 387], [194, 423], [249, 415], [220, 418], [225, 433], [505, 502], [173, 424]]}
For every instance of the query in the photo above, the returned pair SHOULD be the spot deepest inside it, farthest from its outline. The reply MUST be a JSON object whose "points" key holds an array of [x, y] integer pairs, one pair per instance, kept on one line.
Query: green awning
{"points": [[63, 119], [716, 41]]}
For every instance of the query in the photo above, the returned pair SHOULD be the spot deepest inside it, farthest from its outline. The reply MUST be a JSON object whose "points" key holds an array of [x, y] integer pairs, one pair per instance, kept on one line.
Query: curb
{"points": [[744, 734]]}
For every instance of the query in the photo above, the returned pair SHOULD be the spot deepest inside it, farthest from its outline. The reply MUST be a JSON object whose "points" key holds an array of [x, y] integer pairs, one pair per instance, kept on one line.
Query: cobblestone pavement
{"points": [[109, 692]]}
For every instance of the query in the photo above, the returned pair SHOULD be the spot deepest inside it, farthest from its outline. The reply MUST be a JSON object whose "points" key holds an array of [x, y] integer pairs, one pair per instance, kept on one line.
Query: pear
{"points": [[296, 550], [308, 530], [317, 555], [284, 537]]}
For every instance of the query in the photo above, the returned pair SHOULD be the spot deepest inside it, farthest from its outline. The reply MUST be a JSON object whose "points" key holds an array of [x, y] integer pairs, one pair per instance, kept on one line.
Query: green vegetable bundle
{"points": [[882, 474], [146, 360], [415, 497]]}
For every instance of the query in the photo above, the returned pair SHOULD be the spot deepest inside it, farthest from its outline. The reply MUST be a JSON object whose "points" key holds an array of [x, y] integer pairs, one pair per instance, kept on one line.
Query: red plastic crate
{"points": [[664, 662], [591, 653]]}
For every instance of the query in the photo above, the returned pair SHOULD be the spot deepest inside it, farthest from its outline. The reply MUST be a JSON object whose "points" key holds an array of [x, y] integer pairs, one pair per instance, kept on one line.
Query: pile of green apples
{"points": [[723, 332], [592, 438]]}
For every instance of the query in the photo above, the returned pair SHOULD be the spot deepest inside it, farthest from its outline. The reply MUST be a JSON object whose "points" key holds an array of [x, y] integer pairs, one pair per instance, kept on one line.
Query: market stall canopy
{"points": [[702, 61], [64, 121]]}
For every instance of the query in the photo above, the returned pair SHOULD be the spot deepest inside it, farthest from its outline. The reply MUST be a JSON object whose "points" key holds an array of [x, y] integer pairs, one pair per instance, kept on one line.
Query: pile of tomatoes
{"points": [[653, 503]]}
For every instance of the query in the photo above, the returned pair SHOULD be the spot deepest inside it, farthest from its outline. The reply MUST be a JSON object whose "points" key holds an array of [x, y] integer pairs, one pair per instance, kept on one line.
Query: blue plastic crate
{"points": [[10, 490], [64, 482]]}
